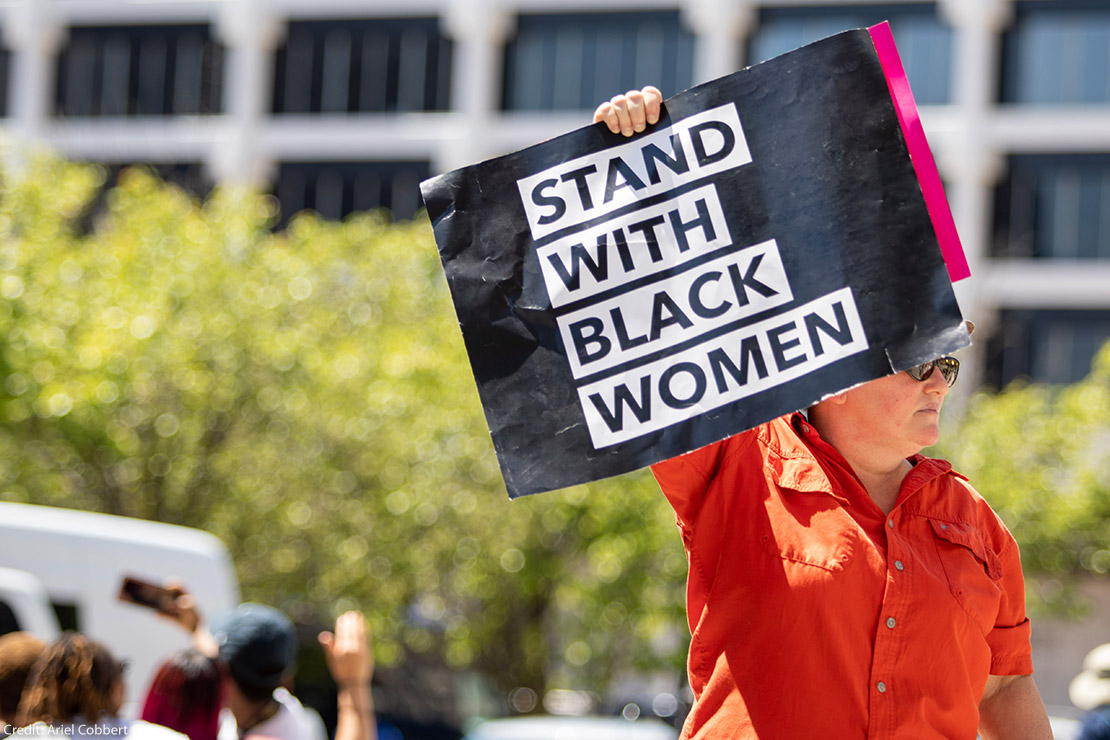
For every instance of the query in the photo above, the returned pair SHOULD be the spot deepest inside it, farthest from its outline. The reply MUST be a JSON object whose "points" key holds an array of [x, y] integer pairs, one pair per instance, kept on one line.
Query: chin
{"points": [[928, 440], [926, 437]]}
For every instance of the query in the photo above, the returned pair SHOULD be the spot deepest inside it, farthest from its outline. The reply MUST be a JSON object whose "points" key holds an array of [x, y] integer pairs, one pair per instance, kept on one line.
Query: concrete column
{"points": [[972, 163], [721, 27], [479, 29], [251, 32], [34, 35]]}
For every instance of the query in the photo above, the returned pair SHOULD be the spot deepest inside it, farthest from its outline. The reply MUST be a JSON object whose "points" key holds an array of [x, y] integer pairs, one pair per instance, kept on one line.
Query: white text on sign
{"points": [[662, 317], [633, 246], [653, 317], [573, 192], [733, 366]]}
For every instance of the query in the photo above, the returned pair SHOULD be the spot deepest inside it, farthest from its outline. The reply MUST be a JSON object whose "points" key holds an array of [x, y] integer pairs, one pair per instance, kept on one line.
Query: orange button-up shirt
{"points": [[814, 615]]}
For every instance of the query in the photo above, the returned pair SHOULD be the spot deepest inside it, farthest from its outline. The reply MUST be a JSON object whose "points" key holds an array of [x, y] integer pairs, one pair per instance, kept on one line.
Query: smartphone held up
{"points": [[151, 595]]}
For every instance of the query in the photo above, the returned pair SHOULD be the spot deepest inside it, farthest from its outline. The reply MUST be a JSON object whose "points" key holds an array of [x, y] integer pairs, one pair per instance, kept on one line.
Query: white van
{"points": [[62, 569], [25, 605]]}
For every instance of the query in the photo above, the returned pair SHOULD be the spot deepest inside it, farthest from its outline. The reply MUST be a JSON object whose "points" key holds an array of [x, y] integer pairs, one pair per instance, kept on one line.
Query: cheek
{"points": [[896, 409], [892, 403], [887, 402]]}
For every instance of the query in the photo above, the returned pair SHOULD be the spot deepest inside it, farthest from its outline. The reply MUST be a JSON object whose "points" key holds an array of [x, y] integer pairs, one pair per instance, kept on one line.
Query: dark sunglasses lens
{"points": [[920, 372], [949, 367]]}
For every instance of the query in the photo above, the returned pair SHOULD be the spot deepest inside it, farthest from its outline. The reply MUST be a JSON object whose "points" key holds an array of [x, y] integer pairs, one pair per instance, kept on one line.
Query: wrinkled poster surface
{"points": [[765, 244]]}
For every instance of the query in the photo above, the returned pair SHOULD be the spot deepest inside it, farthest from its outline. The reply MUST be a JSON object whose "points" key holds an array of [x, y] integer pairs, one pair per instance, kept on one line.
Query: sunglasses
{"points": [[949, 368]]}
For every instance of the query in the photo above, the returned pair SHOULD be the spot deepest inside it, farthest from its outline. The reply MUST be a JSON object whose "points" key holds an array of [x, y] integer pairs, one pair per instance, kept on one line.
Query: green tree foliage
{"points": [[1040, 455], [305, 396]]}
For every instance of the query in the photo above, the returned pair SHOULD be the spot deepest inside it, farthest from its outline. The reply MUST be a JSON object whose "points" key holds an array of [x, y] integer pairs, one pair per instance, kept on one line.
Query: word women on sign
{"points": [[725, 369]]}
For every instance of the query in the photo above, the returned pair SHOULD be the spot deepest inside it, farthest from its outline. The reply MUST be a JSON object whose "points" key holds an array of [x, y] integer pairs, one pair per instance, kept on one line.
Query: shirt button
{"points": [[890, 622], [890, 522], [898, 564], [805, 429], [881, 687]]}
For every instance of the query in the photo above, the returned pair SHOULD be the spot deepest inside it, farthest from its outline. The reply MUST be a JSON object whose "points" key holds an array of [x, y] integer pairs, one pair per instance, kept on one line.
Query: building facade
{"points": [[344, 105]]}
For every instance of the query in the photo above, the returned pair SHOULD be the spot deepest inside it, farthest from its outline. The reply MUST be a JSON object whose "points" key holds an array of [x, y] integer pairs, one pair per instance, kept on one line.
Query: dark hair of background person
{"points": [[73, 678], [185, 695]]}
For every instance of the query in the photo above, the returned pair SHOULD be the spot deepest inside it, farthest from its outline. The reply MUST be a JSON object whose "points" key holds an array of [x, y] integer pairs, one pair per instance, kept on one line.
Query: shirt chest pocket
{"points": [[972, 569], [807, 528]]}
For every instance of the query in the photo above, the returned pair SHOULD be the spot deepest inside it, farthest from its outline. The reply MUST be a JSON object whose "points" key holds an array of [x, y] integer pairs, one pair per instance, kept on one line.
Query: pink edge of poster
{"points": [[920, 154]]}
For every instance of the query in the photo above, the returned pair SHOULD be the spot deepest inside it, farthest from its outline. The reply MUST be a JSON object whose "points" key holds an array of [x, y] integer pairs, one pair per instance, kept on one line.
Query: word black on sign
{"points": [[765, 244]]}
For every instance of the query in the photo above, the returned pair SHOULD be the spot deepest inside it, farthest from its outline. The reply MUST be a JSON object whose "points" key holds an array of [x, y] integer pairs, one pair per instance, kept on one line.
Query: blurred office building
{"points": [[344, 105]]}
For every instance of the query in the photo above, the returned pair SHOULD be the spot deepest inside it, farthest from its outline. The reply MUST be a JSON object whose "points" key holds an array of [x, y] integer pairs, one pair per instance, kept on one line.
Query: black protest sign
{"points": [[764, 245]]}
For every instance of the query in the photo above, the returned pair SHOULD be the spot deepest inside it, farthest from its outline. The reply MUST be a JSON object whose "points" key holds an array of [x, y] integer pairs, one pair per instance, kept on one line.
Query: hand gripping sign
{"points": [[779, 235]]}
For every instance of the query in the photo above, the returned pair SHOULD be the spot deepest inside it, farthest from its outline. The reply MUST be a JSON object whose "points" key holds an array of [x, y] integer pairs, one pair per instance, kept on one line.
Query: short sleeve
{"points": [[1009, 641]]}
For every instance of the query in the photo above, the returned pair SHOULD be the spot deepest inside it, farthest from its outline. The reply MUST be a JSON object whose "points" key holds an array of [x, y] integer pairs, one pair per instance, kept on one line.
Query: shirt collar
{"points": [[797, 472], [798, 456]]}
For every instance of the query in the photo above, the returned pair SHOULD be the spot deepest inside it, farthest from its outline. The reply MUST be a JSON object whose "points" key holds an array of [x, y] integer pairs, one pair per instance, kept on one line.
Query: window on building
{"points": [[1054, 206], [336, 189], [1057, 53], [362, 66], [1045, 346], [190, 176], [924, 42], [574, 61], [139, 71]]}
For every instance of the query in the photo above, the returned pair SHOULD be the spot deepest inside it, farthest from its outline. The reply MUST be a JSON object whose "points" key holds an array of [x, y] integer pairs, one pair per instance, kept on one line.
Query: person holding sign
{"points": [[840, 583]]}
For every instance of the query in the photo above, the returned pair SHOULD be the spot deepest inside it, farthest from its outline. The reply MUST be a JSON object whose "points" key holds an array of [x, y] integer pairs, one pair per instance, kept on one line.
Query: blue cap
{"points": [[258, 644]]}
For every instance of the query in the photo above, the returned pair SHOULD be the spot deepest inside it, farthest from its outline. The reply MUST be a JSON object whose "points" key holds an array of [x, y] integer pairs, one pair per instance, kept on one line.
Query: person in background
{"points": [[76, 688], [841, 584], [18, 653], [185, 695], [256, 646], [1090, 691]]}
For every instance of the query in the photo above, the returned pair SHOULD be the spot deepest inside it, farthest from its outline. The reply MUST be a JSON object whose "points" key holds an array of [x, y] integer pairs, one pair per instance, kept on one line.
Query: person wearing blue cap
{"points": [[257, 646]]}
